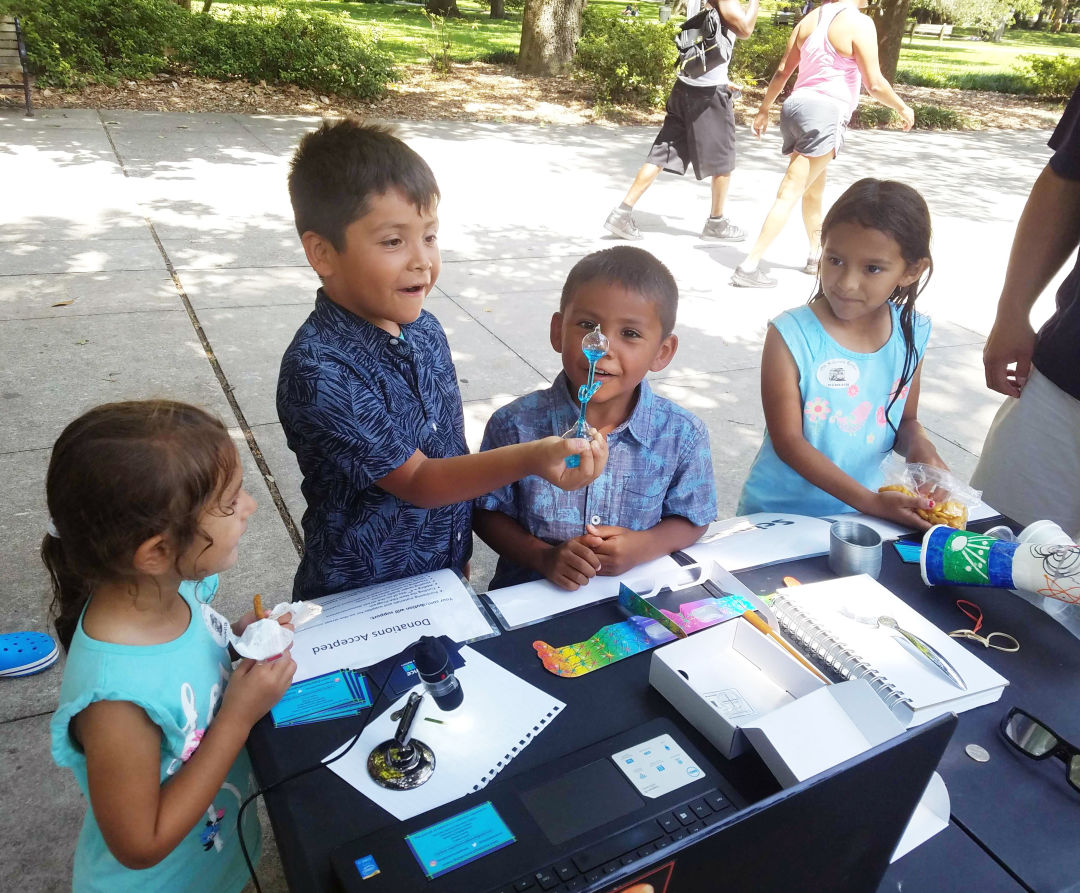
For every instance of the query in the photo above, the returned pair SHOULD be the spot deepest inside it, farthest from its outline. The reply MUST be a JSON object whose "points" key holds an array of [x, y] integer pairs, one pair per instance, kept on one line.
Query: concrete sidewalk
{"points": [[147, 254]]}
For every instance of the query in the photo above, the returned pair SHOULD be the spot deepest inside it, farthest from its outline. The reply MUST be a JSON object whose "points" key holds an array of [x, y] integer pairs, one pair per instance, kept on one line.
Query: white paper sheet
{"points": [[363, 626], [760, 539], [499, 717], [531, 602]]}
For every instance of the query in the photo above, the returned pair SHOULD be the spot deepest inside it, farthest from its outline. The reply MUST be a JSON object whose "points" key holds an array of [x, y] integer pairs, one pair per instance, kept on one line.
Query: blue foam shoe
{"points": [[26, 653]]}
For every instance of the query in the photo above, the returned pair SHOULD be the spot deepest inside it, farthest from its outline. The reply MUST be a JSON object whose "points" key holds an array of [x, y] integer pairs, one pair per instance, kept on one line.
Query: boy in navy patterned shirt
{"points": [[657, 494], [367, 393]]}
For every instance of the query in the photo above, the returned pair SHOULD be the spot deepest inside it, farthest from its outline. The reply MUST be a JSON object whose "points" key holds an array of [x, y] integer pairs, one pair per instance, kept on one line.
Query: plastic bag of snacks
{"points": [[952, 497]]}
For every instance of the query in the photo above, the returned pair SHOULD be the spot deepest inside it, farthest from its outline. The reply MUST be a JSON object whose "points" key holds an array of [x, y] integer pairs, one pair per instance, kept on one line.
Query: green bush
{"points": [[500, 57], [995, 82], [756, 59], [311, 49], [626, 58], [873, 115], [934, 117], [78, 41], [1052, 75], [73, 42]]}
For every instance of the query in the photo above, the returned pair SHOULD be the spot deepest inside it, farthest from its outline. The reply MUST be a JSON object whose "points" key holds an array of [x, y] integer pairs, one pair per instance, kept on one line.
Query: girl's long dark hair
{"points": [[901, 213], [119, 475]]}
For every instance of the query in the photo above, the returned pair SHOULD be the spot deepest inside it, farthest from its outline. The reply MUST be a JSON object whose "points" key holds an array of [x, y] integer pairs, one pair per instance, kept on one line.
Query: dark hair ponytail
{"points": [[901, 213], [70, 591], [119, 475]]}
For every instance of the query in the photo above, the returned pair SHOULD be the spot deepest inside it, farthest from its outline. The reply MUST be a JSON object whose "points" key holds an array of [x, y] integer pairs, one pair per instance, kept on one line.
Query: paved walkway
{"points": [[151, 254]]}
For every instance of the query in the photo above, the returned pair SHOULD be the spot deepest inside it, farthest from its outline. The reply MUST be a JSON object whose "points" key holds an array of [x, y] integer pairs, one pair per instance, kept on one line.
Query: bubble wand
{"points": [[594, 345]]}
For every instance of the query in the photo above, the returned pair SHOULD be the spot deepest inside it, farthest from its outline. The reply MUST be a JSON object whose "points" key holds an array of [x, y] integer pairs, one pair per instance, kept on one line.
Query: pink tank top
{"points": [[823, 69]]}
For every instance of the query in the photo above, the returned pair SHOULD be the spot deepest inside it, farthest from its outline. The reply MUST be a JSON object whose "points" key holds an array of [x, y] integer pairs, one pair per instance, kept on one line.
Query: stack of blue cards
{"points": [[330, 696]]}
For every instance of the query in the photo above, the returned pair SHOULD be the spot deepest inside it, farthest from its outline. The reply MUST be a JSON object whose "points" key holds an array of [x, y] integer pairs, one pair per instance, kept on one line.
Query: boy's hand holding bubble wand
{"points": [[594, 345]]}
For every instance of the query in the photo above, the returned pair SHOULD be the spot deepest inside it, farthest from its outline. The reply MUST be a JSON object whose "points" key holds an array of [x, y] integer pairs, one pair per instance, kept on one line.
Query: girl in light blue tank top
{"points": [[840, 376], [147, 506]]}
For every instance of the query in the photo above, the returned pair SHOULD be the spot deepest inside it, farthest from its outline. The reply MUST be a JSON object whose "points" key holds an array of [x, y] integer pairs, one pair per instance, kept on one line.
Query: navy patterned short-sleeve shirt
{"points": [[356, 403]]}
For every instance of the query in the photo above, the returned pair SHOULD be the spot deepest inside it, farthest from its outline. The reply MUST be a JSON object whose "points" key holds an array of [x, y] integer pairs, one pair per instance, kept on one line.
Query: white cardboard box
{"points": [[830, 725], [724, 677], [820, 730]]}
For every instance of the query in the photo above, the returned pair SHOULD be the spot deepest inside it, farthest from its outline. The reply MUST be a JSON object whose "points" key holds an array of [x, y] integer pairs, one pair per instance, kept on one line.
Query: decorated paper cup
{"points": [[1044, 532], [1050, 569], [965, 559]]}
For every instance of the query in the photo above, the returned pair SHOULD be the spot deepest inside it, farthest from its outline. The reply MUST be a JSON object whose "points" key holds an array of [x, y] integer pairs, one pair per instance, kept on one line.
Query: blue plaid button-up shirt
{"points": [[355, 404], [659, 465]]}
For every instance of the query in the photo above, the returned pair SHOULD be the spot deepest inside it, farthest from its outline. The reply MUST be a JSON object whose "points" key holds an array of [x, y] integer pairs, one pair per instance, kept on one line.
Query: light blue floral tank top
{"points": [[845, 395]]}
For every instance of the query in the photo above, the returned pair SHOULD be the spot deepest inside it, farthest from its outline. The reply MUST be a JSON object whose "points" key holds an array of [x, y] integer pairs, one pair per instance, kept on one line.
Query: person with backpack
{"points": [[699, 125]]}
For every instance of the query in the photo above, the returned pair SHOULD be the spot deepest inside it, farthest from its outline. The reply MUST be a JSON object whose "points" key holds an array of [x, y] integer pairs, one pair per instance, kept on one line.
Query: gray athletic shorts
{"points": [[699, 129], [812, 124]]}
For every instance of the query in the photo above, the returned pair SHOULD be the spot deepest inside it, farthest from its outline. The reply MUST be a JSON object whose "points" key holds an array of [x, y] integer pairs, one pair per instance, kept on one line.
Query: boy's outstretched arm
{"points": [[430, 483], [568, 565], [621, 549]]}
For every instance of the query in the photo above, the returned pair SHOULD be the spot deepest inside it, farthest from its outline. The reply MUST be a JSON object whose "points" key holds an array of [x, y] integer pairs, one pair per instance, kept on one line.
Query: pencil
{"points": [[761, 626]]}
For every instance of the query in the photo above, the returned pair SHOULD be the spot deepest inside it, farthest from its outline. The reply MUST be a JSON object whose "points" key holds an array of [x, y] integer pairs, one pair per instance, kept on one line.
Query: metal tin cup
{"points": [[854, 548]]}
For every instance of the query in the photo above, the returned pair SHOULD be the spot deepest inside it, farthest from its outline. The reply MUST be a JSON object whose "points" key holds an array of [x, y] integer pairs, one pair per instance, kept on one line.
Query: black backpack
{"points": [[703, 42]]}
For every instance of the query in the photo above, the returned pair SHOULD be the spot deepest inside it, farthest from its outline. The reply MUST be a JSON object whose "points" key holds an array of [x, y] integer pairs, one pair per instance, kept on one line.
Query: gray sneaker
{"points": [[722, 230], [757, 279], [621, 223]]}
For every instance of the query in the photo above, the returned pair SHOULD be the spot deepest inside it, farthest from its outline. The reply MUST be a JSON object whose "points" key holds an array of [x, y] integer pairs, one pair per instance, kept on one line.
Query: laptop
{"points": [[647, 811]]}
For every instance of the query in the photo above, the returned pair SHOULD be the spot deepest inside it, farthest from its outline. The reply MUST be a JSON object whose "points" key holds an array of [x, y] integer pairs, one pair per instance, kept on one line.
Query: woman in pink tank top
{"points": [[835, 50]]}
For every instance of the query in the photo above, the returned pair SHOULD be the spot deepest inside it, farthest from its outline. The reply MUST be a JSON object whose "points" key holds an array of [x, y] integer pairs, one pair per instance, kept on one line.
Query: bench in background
{"points": [[938, 31], [13, 59]]}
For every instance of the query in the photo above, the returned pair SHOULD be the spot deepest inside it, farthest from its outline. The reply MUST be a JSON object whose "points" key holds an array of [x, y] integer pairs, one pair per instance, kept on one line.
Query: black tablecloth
{"points": [[1020, 811]]}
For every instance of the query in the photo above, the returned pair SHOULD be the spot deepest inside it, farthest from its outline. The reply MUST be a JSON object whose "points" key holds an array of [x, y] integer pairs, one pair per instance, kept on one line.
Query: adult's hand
{"points": [[761, 122], [907, 116], [1007, 355]]}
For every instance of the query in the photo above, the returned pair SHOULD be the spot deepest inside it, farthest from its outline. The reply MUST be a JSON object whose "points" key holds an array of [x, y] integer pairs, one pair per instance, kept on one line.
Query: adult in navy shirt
{"points": [[1031, 458]]}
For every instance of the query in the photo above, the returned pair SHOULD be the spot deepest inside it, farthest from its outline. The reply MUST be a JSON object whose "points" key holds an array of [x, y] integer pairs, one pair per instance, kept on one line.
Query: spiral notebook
{"points": [[499, 716], [835, 622]]}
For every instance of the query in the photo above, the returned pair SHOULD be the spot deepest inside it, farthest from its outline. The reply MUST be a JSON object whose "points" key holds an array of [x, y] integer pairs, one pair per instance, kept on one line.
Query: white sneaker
{"points": [[621, 223], [722, 230]]}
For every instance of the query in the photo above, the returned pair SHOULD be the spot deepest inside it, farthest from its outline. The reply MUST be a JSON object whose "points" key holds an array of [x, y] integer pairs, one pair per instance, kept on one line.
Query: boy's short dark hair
{"points": [[632, 268], [337, 170]]}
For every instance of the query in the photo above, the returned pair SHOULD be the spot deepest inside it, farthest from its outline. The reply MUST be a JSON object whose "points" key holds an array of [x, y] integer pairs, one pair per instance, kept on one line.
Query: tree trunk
{"points": [[549, 34], [445, 8], [890, 22], [1059, 11], [497, 10], [184, 4], [206, 5]]}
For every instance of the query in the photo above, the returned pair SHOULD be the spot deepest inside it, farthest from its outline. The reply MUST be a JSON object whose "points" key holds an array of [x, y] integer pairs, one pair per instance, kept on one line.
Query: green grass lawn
{"points": [[978, 64]]}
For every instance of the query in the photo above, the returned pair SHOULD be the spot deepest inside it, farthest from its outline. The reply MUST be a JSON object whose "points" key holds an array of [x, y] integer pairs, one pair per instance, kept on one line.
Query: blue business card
{"points": [[459, 840]]}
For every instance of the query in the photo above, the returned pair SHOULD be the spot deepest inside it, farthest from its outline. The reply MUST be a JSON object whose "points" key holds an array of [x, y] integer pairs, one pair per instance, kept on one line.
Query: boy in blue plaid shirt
{"points": [[657, 493]]}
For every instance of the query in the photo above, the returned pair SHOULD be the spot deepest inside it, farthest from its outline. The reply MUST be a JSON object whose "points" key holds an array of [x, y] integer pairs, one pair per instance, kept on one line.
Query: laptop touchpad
{"points": [[581, 800]]}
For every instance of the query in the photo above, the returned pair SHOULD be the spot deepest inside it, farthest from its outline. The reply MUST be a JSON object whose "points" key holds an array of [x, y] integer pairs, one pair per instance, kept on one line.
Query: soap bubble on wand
{"points": [[594, 345]]}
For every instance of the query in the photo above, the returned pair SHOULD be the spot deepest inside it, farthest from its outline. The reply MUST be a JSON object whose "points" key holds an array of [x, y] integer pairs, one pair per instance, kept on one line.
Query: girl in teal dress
{"points": [[147, 506]]}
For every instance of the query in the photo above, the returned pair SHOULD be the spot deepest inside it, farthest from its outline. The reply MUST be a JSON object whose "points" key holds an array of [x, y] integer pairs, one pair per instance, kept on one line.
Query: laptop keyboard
{"points": [[640, 842]]}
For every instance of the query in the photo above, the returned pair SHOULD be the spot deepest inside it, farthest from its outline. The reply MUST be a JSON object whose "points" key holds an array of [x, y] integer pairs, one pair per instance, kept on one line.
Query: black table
{"points": [[1016, 822]]}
